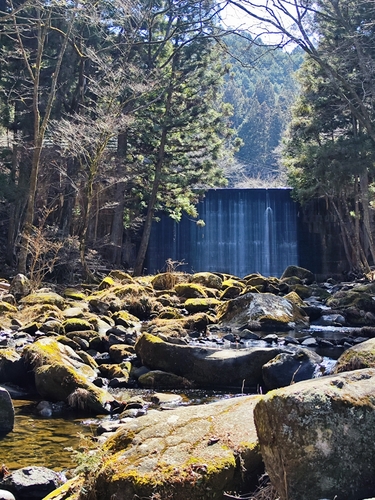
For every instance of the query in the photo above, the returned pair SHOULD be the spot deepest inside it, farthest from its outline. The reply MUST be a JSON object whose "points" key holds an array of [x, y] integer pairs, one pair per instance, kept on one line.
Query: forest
{"points": [[114, 111]]}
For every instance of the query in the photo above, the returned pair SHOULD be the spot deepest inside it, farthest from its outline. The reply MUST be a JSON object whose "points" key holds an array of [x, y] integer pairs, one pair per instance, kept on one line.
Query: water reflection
{"points": [[39, 441]]}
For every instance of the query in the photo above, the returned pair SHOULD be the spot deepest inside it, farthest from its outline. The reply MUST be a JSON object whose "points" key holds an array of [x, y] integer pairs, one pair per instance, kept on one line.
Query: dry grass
{"points": [[265, 491]]}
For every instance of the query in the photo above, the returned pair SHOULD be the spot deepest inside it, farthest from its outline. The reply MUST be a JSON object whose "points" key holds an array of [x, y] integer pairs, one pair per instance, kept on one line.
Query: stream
{"points": [[50, 442]]}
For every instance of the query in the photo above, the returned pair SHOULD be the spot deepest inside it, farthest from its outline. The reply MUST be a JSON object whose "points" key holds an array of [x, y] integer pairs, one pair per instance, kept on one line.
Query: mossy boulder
{"points": [[76, 325], [317, 437], [347, 299], [262, 311], [170, 313], [192, 453], [300, 272], [61, 375], [167, 281], [51, 298], [120, 352], [357, 357], [209, 280], [190, 290], [304, 291], [229, 282], [206, 367], [126, 319], [201, 305]]}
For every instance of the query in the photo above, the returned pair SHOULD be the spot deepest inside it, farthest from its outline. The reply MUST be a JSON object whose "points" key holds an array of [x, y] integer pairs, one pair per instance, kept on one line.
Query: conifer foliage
{"points": [[111, 111]]}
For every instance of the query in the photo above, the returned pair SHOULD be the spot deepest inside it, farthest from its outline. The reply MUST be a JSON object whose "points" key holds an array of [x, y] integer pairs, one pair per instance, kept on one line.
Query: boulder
{"points": [[299, 272], [209, 280], [317, 437], [290, 367], [263, 311], [31, 483], [61, 375], [12, 367], [188, 453], [359, 356], [163, 380], [6, 412], [43, 298], [207, 367]]}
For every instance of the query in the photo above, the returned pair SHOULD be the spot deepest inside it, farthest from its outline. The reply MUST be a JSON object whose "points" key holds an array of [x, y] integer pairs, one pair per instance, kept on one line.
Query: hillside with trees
{"points": [[111, 111], [261, 87]]}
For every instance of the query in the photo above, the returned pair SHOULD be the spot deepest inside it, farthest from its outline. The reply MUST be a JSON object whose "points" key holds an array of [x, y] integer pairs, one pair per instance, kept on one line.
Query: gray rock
{"points": [[6, 412], [207, 367], [191, 452], [288, 368], [31, 483], [262, 310], [317, 437]]}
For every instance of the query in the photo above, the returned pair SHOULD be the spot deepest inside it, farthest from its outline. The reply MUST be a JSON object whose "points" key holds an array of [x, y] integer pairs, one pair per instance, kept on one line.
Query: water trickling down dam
{"points": [[245, 231]]}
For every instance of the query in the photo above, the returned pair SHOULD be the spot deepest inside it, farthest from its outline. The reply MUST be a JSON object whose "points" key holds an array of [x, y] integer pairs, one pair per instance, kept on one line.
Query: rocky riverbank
{"points": [[174, 331]]}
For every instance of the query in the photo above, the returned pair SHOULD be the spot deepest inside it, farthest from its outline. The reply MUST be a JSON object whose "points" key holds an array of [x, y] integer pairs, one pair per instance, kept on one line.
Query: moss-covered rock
{"points": [[72, 293], [167, 281], [190, 290], [120, 352], [300, 272], [357, 357], [316, 437], [76, 325], [126, 319], [345, 299], [209, 280], [50, 298], [201, 305], [170, 313], [61, 375], [189, 454], [303, 291], [263, 311]]}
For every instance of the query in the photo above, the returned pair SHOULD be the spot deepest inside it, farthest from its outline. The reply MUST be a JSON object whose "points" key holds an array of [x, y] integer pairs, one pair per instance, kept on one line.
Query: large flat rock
{"points": [[190, 453]]}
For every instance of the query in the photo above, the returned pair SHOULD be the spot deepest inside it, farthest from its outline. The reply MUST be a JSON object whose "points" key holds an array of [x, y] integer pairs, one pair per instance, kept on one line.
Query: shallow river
{"points": [[40, 441]]}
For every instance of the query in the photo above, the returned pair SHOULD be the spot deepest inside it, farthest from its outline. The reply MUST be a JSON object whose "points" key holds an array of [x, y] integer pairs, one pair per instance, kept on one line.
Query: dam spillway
{"points": [[244, 231]]}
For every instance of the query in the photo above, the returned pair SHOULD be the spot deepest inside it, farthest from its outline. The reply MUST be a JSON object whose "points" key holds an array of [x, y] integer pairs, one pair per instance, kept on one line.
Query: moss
{"points": [[170, 313], [120, 276], [200, 305], [5, 307], [76, 325], [68, 491], [71, 293], [209, 280], [125, 319], [190, 290], [44, 298]]}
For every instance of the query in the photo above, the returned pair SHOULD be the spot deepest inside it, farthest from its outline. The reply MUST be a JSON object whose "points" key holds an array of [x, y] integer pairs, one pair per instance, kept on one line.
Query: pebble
{"points": [[6, 495]]}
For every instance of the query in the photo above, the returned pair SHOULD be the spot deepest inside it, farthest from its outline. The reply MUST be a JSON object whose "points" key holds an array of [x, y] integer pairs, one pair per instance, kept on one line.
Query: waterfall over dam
{"points": [[245, 231]]}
